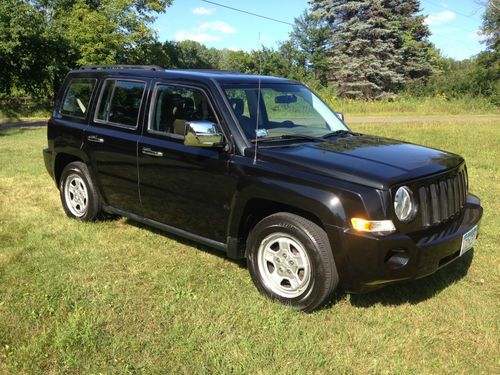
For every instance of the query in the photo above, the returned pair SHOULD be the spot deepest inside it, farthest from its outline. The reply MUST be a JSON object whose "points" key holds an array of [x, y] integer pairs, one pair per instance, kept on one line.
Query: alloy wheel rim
{"points": [[76, 195], [284, 265]]}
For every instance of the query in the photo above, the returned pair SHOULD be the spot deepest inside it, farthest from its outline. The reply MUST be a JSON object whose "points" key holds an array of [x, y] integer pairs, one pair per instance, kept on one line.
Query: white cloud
{"points": [[202, 11], [197, 37], [234, 49], [206, 32], [478, 36], [218, 26], [440, 18]]}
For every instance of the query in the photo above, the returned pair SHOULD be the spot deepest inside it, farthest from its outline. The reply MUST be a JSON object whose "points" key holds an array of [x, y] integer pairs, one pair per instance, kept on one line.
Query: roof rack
{"points": [[138, 67]]}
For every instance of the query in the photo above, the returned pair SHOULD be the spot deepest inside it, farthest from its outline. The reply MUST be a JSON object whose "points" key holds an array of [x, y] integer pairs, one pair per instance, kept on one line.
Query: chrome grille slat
{"points": [[435, 204], [424, 206], [443, 199]]}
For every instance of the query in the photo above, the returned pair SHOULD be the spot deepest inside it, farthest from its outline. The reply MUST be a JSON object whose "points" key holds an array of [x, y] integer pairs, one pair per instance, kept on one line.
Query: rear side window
{"points": [[77, 98], [120, 102]]}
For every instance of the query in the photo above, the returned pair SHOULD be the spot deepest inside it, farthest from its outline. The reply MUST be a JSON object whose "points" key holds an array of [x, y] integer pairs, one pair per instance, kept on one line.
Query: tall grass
{"points": [[401, 106]]}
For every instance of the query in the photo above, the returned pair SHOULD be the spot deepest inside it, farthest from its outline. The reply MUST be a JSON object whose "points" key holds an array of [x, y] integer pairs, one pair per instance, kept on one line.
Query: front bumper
{"points": [[373, 261]]}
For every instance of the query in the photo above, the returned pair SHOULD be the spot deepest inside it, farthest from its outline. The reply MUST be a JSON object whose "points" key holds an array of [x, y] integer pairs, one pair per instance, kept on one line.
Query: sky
{"points": [[454, 24]]}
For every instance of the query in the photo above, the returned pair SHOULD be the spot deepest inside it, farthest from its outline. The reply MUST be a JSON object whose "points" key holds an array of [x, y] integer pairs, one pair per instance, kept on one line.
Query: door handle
{"points": [[95, 139], [148, 151]]}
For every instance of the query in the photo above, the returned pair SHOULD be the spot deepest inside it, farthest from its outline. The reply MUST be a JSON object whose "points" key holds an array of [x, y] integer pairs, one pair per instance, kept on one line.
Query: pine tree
{"points": [[377, 45], [418, 56], [307, 47]]}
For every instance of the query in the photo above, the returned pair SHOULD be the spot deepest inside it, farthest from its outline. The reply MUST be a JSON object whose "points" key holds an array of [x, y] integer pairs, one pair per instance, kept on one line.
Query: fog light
{"points": [[397, 258], [373, 226]]}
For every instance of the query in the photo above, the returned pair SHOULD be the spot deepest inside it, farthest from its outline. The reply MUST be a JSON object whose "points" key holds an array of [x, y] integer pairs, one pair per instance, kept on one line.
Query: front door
{"points": [[111, 141], [185, 187]]}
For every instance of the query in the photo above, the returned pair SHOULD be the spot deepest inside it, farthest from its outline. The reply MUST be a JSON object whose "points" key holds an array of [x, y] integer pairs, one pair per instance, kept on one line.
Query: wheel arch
{"points": [[252, 205], [62, 159]]}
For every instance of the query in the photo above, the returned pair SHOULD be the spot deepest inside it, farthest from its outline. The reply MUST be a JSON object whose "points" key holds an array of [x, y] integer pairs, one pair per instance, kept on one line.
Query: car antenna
{"points": [[258, 106]]}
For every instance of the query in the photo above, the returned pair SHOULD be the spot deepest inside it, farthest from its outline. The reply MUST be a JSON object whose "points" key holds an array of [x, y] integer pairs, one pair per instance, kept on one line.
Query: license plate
{"points": [[468, 240]]}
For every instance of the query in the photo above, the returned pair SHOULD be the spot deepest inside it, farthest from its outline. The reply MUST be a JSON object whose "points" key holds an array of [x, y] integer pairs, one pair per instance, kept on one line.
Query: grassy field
{"points": [[407, 106], [116, 297]]}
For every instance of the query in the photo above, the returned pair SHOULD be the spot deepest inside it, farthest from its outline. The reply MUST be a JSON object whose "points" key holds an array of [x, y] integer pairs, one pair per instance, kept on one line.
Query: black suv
{"points": [[261, 168]]}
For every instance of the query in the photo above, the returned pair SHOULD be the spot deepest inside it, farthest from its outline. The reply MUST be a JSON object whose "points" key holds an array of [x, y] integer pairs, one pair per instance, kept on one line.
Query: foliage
{"points": [[307, 48], [491, 26], [41, 40], [475, 77], [376, 46]]}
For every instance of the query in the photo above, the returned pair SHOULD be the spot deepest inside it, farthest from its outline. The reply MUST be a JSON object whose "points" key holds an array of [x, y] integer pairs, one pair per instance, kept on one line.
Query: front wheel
{"points": [[290, 259]]}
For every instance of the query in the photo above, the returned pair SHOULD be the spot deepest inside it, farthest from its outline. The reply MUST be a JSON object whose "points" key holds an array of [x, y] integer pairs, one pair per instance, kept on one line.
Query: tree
{"points": [[376, 45], [490, 28], [40, 40], [418, 56], [307, 47]]}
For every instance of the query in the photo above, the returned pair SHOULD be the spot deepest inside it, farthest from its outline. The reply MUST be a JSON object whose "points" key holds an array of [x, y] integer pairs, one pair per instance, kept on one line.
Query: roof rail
{"points": [[139, 67]]}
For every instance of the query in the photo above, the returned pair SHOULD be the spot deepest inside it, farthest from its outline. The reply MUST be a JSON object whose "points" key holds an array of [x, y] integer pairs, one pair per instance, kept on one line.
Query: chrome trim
{"points": [[95, 139], [150, 152]]}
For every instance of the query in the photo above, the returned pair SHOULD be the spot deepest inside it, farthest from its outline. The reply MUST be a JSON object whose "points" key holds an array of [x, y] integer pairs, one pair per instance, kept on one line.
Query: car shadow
{"points": [[412, 292], [416, 291], [207, 249]]}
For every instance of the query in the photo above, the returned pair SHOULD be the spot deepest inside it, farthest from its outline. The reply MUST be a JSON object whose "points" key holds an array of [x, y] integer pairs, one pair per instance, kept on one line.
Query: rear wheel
{"points": [[78, 193], [290, 259]]}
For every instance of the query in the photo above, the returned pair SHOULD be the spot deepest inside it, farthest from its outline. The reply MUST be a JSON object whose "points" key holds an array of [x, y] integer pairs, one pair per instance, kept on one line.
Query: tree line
{"points": [[356, 48]]}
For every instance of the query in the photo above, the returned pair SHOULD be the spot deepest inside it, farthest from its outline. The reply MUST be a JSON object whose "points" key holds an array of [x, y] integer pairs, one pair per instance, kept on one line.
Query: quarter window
{"points": [[77, 99], [120, 102], [174, 106]]}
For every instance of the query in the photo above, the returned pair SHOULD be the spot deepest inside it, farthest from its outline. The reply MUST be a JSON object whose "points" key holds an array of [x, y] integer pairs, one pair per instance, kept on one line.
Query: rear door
{"points": [[182, 186], [111, 140]]}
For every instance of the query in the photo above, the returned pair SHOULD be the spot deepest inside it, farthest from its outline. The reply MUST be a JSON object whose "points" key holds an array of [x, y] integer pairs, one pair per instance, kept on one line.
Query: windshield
{"points": [[285, 110]]}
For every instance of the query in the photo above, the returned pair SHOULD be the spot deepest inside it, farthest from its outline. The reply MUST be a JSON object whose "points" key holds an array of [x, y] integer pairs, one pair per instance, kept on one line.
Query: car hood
{"points": [[367, 160]]}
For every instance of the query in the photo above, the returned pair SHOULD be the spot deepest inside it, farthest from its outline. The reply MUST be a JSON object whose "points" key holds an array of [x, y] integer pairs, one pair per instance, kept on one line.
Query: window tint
{"points": [[120, 102], [77, 99], [174, 106]]}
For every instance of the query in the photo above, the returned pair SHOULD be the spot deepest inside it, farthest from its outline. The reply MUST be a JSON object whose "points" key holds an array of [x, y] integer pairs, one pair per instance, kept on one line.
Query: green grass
{"points": [[404, 106], [116, 297]]}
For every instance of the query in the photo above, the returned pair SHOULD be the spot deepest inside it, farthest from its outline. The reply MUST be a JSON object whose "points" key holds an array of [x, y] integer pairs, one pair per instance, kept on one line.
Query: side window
{"points": [[120, 102], [175, 105], [77, 98]]}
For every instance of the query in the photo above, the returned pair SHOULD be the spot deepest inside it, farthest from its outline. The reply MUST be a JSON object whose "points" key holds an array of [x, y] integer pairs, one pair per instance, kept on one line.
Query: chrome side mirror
{"points": [[340, 115], [202, 134]]}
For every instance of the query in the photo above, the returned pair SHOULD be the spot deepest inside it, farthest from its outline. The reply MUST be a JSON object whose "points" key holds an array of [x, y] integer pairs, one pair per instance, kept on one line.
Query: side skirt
{"points": [[167, 228]]}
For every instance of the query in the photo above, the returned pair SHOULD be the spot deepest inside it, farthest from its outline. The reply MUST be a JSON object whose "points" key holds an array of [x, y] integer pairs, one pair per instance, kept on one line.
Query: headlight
{"points": [[404, 205]]}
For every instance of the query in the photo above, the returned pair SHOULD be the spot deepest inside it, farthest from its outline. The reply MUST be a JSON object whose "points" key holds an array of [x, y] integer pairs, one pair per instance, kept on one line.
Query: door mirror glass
{"points": [[202, 134], [340, 115]]}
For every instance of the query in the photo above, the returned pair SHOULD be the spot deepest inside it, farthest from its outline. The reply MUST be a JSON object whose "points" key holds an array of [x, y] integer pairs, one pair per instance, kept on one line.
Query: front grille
{"points": [[443, 199]]}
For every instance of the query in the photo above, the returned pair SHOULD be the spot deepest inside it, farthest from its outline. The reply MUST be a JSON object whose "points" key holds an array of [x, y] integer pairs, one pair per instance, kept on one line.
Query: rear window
{"points": [[77, 98], [120, 102]]}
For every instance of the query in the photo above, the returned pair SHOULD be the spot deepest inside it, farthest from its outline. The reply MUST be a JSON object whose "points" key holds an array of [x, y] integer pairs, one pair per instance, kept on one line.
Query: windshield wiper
{"points": [[341, 133], [289, 137]]}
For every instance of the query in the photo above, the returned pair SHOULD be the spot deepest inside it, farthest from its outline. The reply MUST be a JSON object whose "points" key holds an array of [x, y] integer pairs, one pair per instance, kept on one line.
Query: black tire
{"points": [[323, 279], [91, 208]]}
